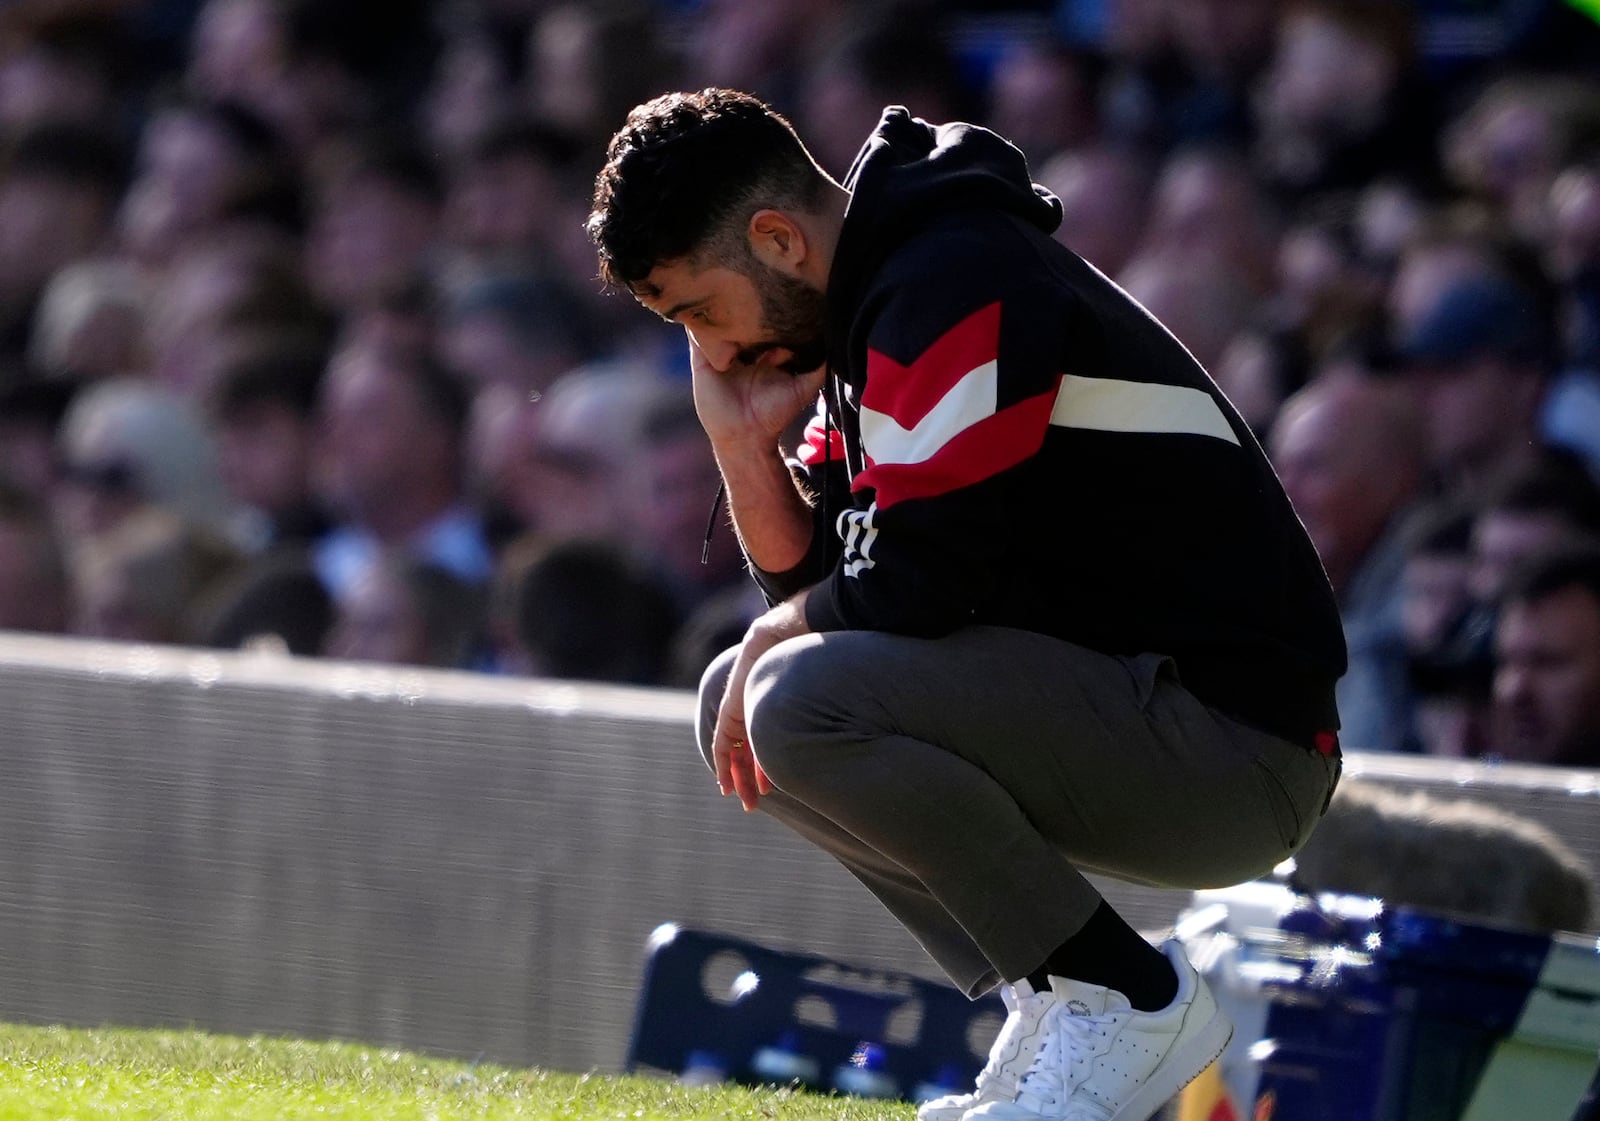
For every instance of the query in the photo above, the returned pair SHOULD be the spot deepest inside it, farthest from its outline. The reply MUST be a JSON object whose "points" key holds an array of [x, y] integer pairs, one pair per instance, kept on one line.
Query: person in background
{"points": [[388, 465], [146, 579], [1348, 449], [1479, 362], [942, 697], [273, 604], [1547, 661], [518, 330], [1447, 652], [406, 611], [263, 412], [33, 579], [685, 542], [59, 186], [62, 67], [195, 158], [375, 222], [127, 444], [1534, 508], [591, 610], [92, 322], [1105, 195]]}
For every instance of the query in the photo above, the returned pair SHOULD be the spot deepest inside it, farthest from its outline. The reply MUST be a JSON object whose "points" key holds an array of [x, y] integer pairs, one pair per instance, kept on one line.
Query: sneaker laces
{"points": [[1025, 1018], [1049, 1082]]}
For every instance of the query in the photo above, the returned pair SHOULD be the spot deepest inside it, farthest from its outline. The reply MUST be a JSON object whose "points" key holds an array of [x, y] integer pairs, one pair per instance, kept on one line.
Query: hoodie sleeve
{"points": [[963, 340]]}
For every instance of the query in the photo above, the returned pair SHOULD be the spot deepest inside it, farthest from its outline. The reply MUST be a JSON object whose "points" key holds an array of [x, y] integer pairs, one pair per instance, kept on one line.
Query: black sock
{"points": [[1109, 952]]}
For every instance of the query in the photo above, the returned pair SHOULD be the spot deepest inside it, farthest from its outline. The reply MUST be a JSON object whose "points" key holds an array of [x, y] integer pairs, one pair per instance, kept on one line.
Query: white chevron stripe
{"points": [[1108, 405], [970, 400]]}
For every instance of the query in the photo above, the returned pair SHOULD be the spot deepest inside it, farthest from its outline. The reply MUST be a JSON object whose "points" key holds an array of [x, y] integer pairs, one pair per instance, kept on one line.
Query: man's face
{"points": [[741, 318], [1327, 471], [1472, 408], [1547, 679]]}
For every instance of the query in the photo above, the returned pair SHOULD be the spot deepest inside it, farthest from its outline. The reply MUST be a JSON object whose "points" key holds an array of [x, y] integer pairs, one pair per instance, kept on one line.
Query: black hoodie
{"points": [[1013, 441]]}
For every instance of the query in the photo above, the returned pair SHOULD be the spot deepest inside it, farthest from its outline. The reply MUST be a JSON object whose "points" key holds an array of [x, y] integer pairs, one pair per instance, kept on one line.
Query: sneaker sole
{"points": [[1182, 1068]]}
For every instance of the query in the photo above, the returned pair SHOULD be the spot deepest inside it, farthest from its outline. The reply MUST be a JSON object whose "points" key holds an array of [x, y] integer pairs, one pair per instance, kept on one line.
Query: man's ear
{"points": [[777, 240]]}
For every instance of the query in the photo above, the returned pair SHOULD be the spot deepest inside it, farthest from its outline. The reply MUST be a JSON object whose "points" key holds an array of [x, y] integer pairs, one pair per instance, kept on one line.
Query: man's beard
{"points": [[793, 317]]}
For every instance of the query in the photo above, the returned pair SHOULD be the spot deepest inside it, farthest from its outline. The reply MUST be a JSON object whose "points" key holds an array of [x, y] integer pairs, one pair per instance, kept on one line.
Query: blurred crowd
{"points": [[301, 345]]}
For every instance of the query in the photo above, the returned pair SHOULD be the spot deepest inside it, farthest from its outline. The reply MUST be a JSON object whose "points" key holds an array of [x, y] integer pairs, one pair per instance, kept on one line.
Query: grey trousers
{"points": [[969, 781]]}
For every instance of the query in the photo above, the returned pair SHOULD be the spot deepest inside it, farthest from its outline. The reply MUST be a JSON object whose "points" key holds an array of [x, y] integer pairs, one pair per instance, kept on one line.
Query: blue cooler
{"points": [[1490, 1023], [1308, 1002], [1346, 1012]]}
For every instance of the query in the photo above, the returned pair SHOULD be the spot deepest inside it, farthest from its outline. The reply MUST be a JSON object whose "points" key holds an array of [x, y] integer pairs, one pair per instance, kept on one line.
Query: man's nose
{"points": [[720, 355]]}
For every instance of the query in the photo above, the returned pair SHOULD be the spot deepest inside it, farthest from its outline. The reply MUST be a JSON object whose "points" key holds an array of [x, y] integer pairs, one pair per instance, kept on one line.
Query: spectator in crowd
{"points": [[144, 580], [194, 159], [275, 603], [33, 580], [1534, 509], [1205, 305], [894, 53], [1572, 257], [1105, 195], [59, 186], [1447, 641], [375, 222], [1222, 46], [92, 322], [520, 330], [60, 67], [263, 412], [759, 45], [403, 610], [1347, 448], [1336, 106], [1547, 661], [30, 415], [509, 197], [238, 50], [389, 468], [590, 610], [1479, 361], [127, 444], [1508, 146], [471, 84], [1208, 215], [566, 466], [1042, 98], [588, 63], [224, 285], [677, 522]]}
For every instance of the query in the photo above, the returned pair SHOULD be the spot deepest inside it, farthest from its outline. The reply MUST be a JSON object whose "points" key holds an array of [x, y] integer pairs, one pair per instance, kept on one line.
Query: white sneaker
{"points": [[1014, 1051], [1103, 1061]]}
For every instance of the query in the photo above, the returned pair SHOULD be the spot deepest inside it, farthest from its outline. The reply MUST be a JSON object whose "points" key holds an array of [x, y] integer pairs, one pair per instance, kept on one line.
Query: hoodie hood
{"points": [[910, 172]]}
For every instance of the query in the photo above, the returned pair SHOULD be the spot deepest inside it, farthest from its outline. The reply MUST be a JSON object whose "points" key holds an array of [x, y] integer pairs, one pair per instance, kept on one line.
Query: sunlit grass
{"points": [[55, 1073]]}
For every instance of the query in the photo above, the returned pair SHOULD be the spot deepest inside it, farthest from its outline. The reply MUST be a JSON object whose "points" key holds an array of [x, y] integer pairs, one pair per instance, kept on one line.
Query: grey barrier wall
{"points": [[456, 863]]}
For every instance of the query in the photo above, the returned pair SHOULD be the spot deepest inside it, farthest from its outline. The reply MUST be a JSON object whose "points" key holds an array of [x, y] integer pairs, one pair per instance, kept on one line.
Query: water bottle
{"points": [[784, 1064], [703, 1068], [948, 1079], [865, 1074]]}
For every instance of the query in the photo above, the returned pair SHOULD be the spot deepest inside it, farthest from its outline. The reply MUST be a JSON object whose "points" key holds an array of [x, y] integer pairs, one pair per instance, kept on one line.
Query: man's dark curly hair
{"points": [[683, 176]]}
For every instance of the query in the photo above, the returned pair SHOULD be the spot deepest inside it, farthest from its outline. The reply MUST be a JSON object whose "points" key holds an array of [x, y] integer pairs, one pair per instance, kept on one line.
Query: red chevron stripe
{"points": [[986, 448], [907, 393]]}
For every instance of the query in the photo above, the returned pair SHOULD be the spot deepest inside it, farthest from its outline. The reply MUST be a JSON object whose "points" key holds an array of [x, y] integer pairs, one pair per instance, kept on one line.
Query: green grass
{"points": [[56, 1073]]}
